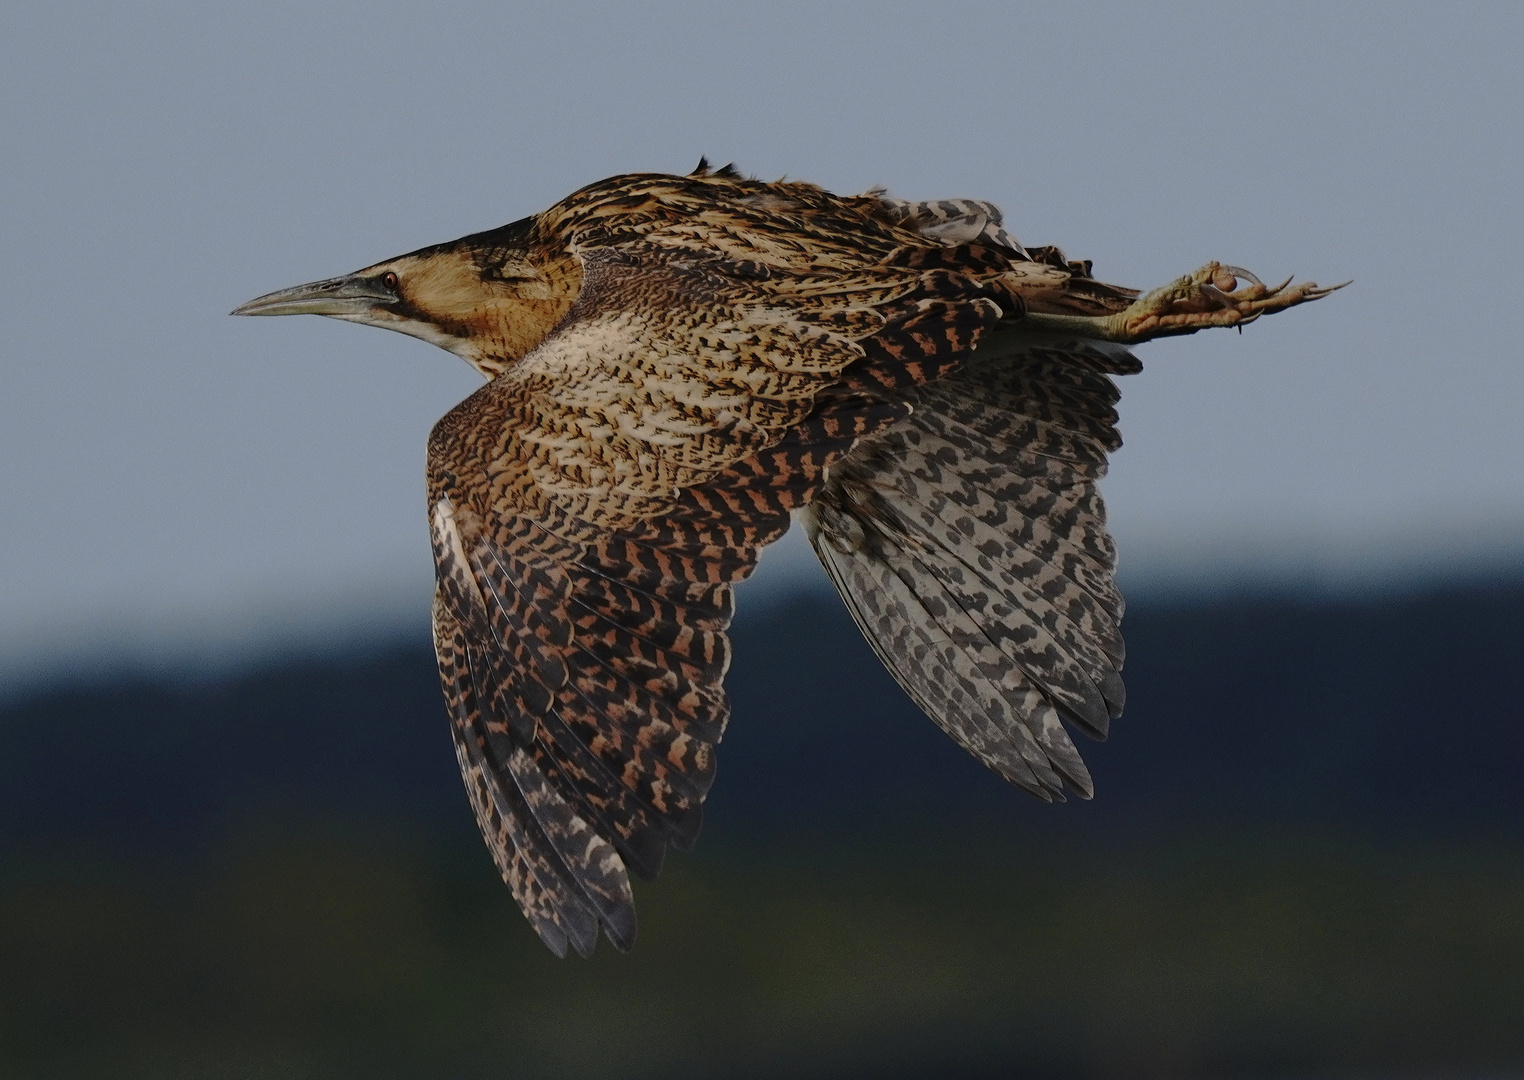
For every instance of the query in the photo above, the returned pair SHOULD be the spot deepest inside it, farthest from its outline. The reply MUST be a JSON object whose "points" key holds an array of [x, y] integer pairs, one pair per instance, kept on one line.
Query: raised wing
{"points": [[590, 510], [969, 542], [956, 221]]}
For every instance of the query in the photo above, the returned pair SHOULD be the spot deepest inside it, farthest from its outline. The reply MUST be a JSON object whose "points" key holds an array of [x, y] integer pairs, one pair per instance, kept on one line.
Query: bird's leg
{"points": [[1215, 295]]}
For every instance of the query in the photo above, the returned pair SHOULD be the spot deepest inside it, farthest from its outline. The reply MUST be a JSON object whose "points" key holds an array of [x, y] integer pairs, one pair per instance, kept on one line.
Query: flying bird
{"points": [[678, 365]]}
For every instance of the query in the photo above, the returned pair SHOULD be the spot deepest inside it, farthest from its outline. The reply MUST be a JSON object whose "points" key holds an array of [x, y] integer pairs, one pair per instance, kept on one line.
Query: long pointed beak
{"points": [[344, 296]]}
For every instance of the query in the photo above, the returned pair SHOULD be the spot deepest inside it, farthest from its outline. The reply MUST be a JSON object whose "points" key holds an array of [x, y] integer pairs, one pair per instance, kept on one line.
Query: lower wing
{"points": [[969, 542]]}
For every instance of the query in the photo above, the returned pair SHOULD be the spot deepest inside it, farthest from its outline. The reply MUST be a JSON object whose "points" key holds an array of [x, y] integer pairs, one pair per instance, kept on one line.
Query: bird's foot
{"points": [[1215, 295]]}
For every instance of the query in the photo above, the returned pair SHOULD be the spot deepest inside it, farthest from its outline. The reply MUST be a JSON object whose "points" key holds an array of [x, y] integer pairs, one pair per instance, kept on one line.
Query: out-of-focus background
{"points": [[232, 840]]}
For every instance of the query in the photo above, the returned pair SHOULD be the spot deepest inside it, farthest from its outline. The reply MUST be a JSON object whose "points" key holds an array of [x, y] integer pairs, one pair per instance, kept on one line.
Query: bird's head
{"points": [[489, 298]]}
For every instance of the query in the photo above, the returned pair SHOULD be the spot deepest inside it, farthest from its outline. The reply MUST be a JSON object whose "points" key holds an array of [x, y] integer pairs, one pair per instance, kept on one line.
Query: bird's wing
{"points": [[956, 221], [590, 510], [969, 542]]}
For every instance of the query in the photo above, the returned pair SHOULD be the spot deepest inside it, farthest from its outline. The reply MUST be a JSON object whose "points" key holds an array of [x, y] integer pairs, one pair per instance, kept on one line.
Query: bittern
{"points": [[675, 366]]}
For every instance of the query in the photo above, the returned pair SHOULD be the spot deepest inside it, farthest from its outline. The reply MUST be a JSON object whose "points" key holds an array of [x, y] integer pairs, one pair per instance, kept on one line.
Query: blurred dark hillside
{"points": [[1402, 715], [1306, 855]]}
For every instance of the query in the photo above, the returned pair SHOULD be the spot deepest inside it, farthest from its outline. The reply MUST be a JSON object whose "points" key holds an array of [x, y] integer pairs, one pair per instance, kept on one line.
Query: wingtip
{"points": [[585, 941], [685, 826], [643, 853], [553, 937], [620, 927]]}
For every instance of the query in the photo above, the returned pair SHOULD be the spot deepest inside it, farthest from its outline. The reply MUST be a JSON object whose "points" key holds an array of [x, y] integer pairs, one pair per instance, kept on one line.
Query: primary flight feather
{"points": [[676, 366]]}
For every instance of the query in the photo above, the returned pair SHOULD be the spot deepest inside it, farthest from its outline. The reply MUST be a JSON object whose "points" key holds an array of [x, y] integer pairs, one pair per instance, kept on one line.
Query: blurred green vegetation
{"points": [[323, 952], [1305, 860]]}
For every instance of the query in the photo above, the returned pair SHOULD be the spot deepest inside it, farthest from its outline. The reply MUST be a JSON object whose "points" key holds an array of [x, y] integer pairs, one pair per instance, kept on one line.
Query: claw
{"points": [[1240, 272]]}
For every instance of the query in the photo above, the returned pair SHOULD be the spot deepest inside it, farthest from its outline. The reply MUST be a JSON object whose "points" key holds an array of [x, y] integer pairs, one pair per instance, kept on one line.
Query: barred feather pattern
{"points": [[969, 542], [587, 751], [675, 366], [591, 509], [954, 222]]}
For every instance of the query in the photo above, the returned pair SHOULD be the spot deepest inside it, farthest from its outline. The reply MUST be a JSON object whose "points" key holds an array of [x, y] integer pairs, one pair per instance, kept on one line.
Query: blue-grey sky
{"points": [[172, 475]]}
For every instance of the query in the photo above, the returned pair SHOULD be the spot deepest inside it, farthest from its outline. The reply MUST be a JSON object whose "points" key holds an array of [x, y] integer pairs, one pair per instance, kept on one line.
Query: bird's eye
{"points": [[389, 279]]}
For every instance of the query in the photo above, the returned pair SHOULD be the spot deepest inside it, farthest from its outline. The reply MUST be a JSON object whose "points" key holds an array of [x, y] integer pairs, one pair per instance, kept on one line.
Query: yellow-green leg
{"points": [[1210, 297]]}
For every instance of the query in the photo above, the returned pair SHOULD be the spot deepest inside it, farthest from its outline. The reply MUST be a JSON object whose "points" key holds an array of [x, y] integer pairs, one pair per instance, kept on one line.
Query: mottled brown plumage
{"points": [[676, 365]]}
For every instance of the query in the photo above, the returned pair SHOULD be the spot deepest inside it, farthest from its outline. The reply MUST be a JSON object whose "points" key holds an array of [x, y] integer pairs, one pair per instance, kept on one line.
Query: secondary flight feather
{"points": [[676, 367]]}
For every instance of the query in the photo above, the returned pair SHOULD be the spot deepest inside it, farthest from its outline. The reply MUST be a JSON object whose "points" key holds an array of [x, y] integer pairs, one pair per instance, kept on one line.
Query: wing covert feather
{"points": [[592, 508]]}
